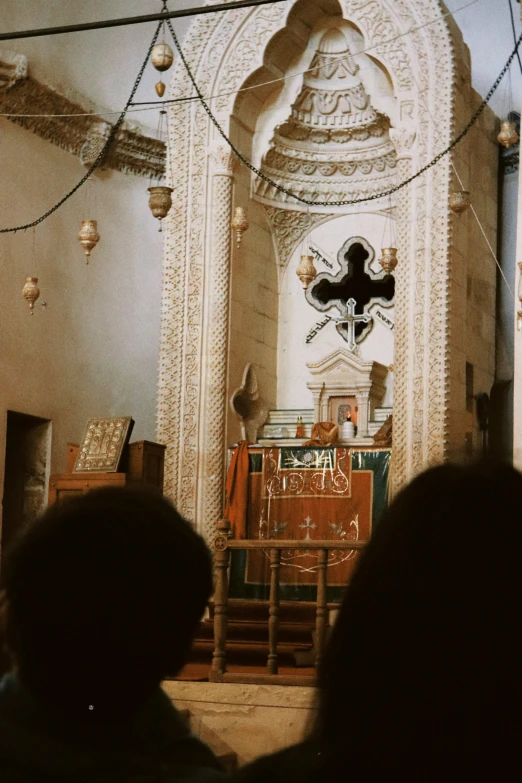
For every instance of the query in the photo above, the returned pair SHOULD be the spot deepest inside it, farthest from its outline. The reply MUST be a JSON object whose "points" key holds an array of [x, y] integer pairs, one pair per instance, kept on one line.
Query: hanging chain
{"points": [[110, 138], [346, 202]]}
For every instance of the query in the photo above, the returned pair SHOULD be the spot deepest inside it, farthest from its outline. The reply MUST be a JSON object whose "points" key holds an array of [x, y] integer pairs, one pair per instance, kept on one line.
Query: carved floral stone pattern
{"points": [[289, 227], [224, 50]]}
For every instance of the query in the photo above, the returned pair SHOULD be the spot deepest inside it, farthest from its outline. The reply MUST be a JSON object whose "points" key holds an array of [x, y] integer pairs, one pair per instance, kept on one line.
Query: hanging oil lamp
{"points": [[388, 259], [160, 201], [88, 237], [239, 224], [508, 135], [31, 292], [306, 271], [459, 201]]}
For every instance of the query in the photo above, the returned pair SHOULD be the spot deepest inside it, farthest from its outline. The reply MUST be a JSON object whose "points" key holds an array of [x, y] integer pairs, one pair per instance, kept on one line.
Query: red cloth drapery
{"points": [[236, 490]]}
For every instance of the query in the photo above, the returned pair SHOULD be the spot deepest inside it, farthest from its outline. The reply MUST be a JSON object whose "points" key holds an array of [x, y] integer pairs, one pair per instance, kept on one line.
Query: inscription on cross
{"points": [[355, 282]]}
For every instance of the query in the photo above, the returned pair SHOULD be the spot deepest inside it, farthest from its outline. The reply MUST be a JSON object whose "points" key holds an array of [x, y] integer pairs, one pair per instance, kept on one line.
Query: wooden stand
{"points": [[142, 468]]}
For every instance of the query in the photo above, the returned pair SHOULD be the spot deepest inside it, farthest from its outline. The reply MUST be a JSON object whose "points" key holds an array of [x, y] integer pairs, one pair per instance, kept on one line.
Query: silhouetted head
{"points": [[104, 594], [425, 660]]}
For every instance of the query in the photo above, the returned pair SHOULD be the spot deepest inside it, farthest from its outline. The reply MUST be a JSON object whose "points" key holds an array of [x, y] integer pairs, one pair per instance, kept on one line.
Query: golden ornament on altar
{"points": [[508, 135], [31, 291], [160, 201], [162, 57], [160, 89], [88, 236], [306, 270], [459, 201], [239, 223], [388, 259]]}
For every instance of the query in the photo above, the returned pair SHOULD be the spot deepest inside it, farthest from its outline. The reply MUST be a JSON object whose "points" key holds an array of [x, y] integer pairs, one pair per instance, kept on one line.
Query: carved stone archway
{"points": [[408, 36]]}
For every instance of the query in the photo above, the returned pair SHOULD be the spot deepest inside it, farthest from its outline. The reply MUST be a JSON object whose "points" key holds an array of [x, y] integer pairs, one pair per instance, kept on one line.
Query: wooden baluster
{"points": [[222, 561], [273, 619], [322, 607]]}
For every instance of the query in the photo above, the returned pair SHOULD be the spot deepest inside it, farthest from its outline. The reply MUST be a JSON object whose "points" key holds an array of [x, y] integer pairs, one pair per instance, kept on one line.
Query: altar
{"points": [[307, 493]]}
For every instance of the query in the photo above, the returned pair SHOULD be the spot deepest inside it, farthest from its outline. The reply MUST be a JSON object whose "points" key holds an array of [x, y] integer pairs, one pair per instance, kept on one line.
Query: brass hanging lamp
{"points": [[239, 224], [306, 271], [88, 237], [459, 201], [160, 198], [388, 259], [31, 292], [508, 135]]}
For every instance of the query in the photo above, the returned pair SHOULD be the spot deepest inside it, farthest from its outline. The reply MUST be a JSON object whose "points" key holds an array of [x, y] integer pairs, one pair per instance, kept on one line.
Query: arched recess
{"points": [[222, 49]]}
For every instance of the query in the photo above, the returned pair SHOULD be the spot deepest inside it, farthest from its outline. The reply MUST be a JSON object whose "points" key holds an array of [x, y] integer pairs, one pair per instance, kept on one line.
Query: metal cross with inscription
{"points": [[351, 320], [308, 525]]}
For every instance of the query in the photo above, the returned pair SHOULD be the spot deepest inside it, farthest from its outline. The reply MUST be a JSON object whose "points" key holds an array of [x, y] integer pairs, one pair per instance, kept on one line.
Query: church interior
{"points": [[275, 247]]}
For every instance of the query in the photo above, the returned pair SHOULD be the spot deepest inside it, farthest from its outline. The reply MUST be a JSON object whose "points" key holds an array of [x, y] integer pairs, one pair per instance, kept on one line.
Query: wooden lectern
{"points": [[142, 468]]}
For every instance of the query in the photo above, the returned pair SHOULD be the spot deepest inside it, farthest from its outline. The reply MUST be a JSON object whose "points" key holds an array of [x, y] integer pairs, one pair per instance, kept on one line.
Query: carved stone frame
{"points": [[223, 48]]}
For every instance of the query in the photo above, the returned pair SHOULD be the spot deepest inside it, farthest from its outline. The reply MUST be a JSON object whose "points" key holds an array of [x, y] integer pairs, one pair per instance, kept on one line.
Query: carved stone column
{"points": [[403, 139], [363, 414], [214, 403]]}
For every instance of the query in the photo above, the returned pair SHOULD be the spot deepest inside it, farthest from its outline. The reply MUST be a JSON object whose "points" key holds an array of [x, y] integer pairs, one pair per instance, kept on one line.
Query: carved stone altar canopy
{"points": [[342, 374], [333, 138], [207, 336]]}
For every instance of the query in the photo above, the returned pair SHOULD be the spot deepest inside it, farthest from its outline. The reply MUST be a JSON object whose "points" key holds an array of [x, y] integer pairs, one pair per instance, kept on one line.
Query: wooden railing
{"points": [[223, 545]]}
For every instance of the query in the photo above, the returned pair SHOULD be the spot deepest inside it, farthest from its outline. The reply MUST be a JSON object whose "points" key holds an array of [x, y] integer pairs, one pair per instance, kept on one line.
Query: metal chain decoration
{"points": [[242, 158], [347, 202], [110, 138]]}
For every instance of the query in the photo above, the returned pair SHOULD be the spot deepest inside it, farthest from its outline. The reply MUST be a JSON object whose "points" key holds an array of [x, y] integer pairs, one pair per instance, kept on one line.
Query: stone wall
{"points": [[250, 720], [473, 269]]}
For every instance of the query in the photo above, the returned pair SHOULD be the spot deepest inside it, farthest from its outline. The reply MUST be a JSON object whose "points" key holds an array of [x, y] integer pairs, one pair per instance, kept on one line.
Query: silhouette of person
{"points": [[422, 677], [102, 596]]}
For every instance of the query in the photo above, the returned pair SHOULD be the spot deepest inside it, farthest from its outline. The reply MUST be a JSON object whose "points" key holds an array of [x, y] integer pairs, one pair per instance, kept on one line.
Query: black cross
{"points": [[356, 284]]}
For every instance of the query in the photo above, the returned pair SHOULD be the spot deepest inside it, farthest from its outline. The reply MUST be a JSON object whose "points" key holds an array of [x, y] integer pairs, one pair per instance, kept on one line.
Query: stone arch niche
{"points": [[248, 47]]}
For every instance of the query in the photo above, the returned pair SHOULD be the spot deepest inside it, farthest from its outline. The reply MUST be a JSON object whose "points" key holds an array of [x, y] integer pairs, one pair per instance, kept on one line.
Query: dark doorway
{"points": [[27, 468]]}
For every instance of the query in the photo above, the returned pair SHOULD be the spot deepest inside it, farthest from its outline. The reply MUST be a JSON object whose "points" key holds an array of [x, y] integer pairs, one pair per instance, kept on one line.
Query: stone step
{"points": [[290, 416], [283, 431], [381, 414], [227, 758]]}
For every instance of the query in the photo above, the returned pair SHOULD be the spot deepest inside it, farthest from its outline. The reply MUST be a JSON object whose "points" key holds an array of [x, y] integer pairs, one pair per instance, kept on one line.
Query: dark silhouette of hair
{"points": [[424, 665], [105, 592]]}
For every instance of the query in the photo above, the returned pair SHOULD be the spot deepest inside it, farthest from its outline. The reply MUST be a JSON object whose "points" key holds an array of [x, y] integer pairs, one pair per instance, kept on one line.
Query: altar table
{"points": [[305, 493]]}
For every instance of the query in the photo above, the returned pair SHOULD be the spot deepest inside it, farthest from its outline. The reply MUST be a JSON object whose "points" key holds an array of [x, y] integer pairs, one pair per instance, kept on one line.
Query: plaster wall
{"points": [[93, 351]]}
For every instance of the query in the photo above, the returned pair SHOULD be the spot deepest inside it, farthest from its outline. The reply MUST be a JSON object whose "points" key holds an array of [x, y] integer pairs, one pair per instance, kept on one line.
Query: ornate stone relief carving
{"points": [[289, 228], [84, 136], [423, 230], [334, 145], [342, 374]]}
